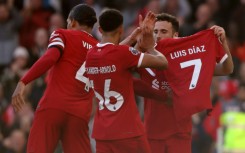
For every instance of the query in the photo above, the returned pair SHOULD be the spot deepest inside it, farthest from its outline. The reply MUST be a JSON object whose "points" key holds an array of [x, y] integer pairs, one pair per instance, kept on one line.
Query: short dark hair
{"points": [[83, 14], [110, 20], [169, 18]]}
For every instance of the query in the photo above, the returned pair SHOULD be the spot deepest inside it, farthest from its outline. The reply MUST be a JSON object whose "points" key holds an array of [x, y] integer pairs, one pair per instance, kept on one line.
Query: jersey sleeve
{"points": [[131, 57], [221, 55], [57, 40], [44, 63]]}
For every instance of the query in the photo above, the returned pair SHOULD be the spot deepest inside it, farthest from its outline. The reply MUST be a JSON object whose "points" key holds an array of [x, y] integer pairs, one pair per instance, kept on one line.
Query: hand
{"points": [[149, 22], [135, 34], [132, 38], [146, 40], [17, 97], [219, 32]]}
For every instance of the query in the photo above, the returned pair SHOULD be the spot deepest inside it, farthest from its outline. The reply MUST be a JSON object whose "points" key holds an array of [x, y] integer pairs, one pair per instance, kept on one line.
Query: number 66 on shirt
{"points": [[105, 99]]}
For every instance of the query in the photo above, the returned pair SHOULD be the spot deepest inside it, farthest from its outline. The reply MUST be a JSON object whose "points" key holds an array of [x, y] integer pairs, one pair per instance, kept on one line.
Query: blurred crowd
{"points": [[25, 26]]}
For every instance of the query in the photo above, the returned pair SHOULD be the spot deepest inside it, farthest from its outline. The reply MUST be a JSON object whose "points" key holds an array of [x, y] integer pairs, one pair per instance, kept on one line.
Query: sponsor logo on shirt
{"points": [[53, 34], [162, 85]]}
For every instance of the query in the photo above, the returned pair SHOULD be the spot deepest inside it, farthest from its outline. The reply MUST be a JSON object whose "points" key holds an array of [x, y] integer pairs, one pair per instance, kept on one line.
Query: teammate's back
{"points": [[112, 82], [64, 110], [63, 88]]}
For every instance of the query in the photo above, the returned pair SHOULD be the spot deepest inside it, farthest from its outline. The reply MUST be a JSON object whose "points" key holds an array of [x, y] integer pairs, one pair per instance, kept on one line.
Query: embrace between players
{"points": [[64, 111]]}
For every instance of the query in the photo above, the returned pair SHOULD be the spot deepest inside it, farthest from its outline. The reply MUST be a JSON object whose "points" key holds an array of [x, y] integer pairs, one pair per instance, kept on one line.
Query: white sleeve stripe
{"points": [[150, 71], [56, 43], [140, 59], [223, 58], [57, 39]]}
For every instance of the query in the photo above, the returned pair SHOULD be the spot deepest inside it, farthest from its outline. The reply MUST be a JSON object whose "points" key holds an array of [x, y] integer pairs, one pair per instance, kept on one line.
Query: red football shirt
{"points": [[159, 118], [64, 91], [191, 65], [108, 67]]}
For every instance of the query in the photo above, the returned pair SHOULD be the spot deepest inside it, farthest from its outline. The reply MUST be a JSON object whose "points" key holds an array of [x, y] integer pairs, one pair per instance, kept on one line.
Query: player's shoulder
{"points": [[59, 31], [121, 46], [127, 49], [66, 32]]}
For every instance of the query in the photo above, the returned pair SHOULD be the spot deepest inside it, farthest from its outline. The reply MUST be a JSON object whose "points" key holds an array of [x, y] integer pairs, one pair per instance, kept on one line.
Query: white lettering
{"points": [[101, 70], [86, 45], [178, 54], [197, 49]]}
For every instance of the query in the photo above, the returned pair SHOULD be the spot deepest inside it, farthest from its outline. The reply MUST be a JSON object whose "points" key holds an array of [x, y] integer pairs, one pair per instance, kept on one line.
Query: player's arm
{"points": [[227, 66], [154, 60], [51, 56], [132, 38], [146, 42]]}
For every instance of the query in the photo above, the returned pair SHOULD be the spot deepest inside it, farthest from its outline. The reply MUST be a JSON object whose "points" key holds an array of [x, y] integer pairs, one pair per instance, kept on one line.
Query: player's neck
{"points": [[84, 28], [109, 39]]}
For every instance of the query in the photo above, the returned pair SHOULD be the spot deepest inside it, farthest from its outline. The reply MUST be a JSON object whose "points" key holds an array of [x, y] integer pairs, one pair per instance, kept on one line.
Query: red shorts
{"points": [[178, 143], [130, 145], [51, 125]]}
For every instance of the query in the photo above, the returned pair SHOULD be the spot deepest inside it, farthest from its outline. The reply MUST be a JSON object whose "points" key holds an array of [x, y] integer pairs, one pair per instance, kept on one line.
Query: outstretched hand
{"points": [[147, 25], [18, 97], [146, 40]]}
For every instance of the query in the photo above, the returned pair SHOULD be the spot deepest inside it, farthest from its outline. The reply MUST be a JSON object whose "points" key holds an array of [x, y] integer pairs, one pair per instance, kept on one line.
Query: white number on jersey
{"points": [[197, 68], [79, 76], [105, 101]]}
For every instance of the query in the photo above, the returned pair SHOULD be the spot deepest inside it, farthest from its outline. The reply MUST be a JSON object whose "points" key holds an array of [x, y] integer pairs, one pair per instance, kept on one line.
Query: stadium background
{"points": [[25, 26]]}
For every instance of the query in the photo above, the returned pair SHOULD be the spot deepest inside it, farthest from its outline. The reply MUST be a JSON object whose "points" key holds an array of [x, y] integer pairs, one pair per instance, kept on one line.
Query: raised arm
{"points": [[146, 43], [227, 66]]}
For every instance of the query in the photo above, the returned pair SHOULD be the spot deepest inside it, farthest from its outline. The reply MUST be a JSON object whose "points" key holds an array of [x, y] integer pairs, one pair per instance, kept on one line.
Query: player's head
{"points": [[110, 22], [81, 15], [166, 26]]}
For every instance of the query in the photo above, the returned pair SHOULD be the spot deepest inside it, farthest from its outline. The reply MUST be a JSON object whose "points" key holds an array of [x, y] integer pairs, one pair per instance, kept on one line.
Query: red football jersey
{"points": [[63, 90], [159, 118], [191, 65], [108, 67]]}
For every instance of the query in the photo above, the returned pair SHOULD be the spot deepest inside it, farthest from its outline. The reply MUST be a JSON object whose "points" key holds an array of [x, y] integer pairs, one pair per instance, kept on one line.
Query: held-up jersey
{"points": [[191, 65], [108, 68], [64, 91], [159, 118]]}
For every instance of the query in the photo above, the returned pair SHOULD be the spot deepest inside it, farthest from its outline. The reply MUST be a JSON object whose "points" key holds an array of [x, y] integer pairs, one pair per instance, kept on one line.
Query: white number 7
{"points": [[197, 68]]}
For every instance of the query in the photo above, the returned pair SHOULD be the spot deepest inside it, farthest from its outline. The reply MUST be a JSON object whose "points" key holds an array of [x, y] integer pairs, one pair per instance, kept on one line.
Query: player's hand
{"points": [[135, 34], [132, 38], [149, 23], [17, 97], [219, 32], [146, 40]]}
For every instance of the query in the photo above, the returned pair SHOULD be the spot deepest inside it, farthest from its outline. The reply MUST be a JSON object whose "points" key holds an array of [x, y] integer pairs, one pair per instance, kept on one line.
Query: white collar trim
{"points": [[102, 45]]}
